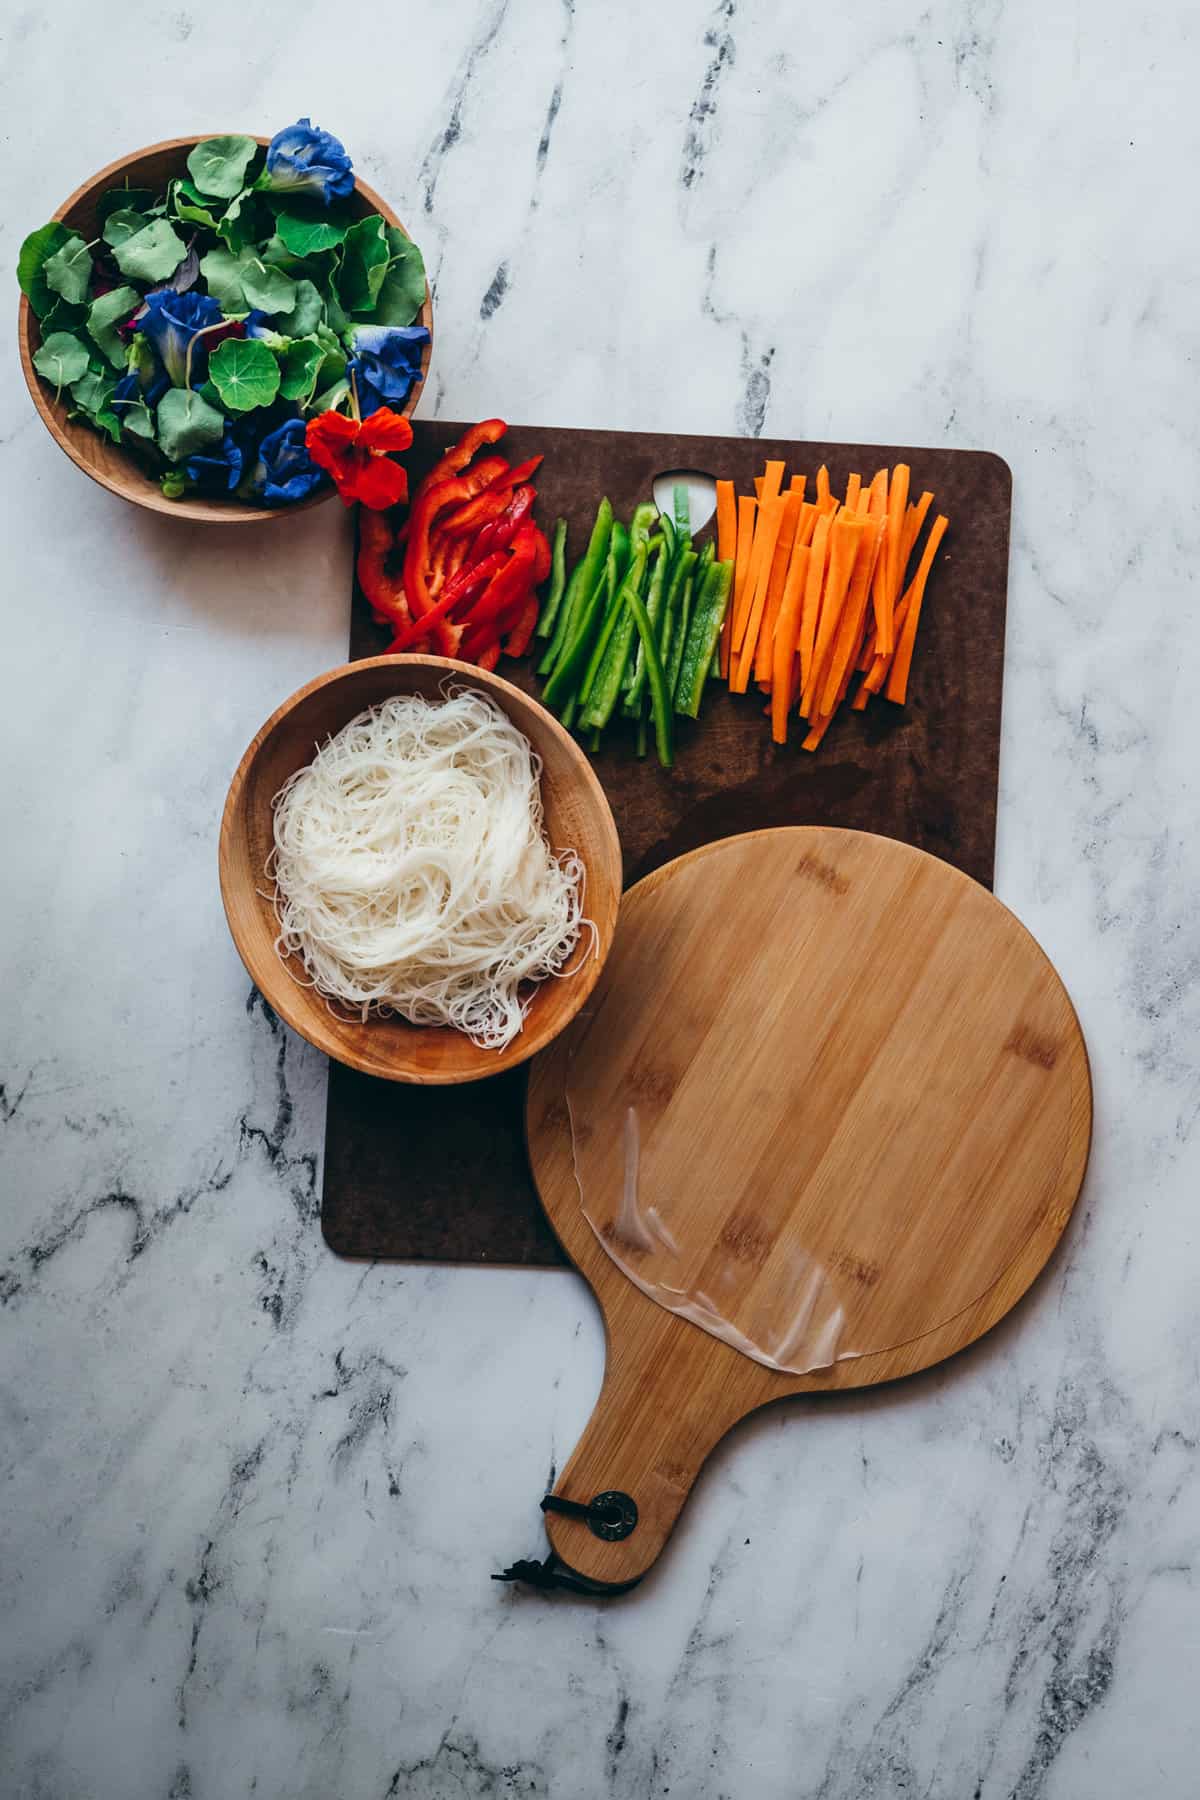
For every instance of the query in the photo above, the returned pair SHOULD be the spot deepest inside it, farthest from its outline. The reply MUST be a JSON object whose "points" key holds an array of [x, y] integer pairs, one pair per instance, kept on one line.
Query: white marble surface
{"points": [[252, 1496]]}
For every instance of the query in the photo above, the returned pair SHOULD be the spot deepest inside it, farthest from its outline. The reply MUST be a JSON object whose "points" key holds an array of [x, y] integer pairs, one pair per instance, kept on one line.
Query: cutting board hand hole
{"points": [[702, 494]]}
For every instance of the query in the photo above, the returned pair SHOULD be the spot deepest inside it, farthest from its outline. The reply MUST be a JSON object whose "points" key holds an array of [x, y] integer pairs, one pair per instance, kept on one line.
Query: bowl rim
{"points": [[281, 994], [197, 509]]}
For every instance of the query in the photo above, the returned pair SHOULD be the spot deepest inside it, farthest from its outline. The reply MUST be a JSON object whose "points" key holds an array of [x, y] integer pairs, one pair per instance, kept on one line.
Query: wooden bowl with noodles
{"points": [[576, 818], [121, 470]]}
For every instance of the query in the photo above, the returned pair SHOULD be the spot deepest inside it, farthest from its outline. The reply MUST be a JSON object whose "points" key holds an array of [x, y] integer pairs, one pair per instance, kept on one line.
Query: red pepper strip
{"points": [[489, 501], [431, 500], [500, 532], [489, 474], [520, 636], [512, 581], [489, 658], [459, 455], [456, 556], [437, 563], [541, 561], [384, 592], [461, 588]]}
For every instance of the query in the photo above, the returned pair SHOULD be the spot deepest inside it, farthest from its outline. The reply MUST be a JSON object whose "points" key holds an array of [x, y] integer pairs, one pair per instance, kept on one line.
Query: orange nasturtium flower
{"points": [[358, 455]]}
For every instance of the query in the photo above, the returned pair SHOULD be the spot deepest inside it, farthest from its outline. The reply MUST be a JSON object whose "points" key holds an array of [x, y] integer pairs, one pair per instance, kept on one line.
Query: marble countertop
{"points": [[253, 1495]]}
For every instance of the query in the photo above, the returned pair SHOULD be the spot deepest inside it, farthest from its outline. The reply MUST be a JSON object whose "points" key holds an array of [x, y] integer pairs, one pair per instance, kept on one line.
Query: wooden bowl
{"points": [[118, 469], [577, 817]]}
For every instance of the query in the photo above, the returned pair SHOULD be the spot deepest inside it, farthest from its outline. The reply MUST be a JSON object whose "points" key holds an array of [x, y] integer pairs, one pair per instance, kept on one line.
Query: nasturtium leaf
{"points": [[120, 226], [137, 420], [222, 271], [306, 313], [102, 318], [403, 292], [244, 373], [365, 259], [152, 253], [218, 165], [266, 287], [62, 359], [330, 397], [300, 368], [36, 251], [188, 204], [304, 236], [121, 199], [337, 319], [69, 270], [244, 221], [64, 315], [92, 394], [186, 423]]}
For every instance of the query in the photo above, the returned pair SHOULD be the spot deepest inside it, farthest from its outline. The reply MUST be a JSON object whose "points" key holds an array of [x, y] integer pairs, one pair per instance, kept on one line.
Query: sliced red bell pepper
{"points": [[488, 658], [510, 584], [432, 499], [464, 586], [500, 531], [521, 635], [384, 591], [456, 458], [490, 500]]}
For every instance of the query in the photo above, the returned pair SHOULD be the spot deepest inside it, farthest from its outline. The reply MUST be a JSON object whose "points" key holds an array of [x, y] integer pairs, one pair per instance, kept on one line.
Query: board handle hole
{"points": [[702, 494]]}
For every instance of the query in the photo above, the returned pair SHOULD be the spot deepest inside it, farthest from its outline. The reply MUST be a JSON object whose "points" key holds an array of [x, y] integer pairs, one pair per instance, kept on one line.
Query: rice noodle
{"points": [[412, 872]]}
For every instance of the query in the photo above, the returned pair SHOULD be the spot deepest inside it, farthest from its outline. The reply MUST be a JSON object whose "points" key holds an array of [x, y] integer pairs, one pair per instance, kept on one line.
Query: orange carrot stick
{"points": [[775, 584], [894, 574], [758, 487], [810, 609], [746, 510], [897, 687], [822, 485], [841, 660], [853, 490], [766, 536], [914, 519], [817, 731], [783, 654], [877, 495], [726, 522], [798, 485], [845, 536]]}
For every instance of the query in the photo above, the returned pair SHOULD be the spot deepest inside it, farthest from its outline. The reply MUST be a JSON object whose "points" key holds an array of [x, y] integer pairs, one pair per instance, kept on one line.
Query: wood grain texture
{"points": [[925, 774], [577, 817], [115, 467], [860, 1088]]}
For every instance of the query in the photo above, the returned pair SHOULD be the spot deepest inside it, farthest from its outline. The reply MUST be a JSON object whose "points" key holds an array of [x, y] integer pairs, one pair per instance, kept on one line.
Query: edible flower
{"points": [[356, 454], [385, 360], [146, 378], [171, 321], [303, 159], [220, 465], [284, 470]]}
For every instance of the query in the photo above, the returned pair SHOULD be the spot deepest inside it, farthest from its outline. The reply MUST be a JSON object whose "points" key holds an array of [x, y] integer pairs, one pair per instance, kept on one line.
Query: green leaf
{"points": [[403, 292], [222, 271], [244, 373], [93, 394], [307, 312], [152, 253], [137, 420], [102, 320], [301, 365], [36, 251], [120, 226], [266, 287], [186, 423], [336, 317], [62, 359], [64, 315], [365, 259], [303, 236], [69, 270], [330, 397], [218, 165], [244, 222], [188, 204], [120, 199]]}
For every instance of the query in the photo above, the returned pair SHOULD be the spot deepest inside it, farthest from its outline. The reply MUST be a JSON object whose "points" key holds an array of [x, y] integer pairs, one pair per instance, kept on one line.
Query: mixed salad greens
{"points": [[206, 327]]}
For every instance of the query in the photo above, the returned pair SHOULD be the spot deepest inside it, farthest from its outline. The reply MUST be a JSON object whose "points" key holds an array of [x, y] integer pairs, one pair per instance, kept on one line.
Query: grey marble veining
{"points": [[253, 1496]]}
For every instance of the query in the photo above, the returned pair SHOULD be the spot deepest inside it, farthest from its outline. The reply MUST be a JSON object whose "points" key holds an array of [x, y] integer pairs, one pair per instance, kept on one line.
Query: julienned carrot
{"points": [[783, 654], [758, 487], [845, 535], [746, 509], [914, 520], [772, 480], [809, 611], [726, 522], [841, 661], [897, 505], [897, 687], [822, 485], [853, 490], [766, 536], [798, 484], [775, 584]]}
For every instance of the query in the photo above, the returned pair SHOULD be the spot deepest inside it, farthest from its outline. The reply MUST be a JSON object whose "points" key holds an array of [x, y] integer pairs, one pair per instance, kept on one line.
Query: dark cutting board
{"points": [[441, 1173]]}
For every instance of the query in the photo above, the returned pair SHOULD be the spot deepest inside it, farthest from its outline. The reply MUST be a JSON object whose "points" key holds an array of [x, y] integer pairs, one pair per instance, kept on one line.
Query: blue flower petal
{"points": [[219, 466], [170, 321], [284, 470], [385, 361], [303, 159]]}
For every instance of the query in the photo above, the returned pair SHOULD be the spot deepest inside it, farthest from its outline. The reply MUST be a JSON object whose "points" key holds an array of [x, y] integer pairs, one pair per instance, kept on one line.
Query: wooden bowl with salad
{"points": [[136, 470], [481, 866]]}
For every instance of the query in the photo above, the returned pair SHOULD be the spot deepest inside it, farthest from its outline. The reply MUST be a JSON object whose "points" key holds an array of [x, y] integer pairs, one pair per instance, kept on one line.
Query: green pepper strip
{"points": [[660, 614], [606, 689], [612, 619], [675, 617], [584, 579], [683, 510], [564, 683], [558, 580], [703, 633], [618, 624], [673, 660], [660, 705]]}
